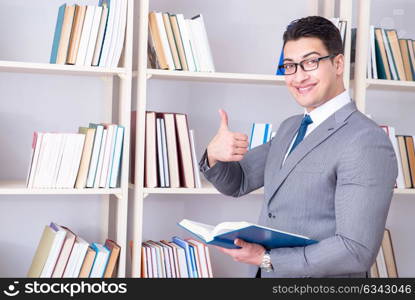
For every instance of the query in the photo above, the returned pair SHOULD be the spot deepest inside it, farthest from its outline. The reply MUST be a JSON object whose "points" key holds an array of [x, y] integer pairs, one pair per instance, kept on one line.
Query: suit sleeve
{"points": [[238, 178], [366, 175]]}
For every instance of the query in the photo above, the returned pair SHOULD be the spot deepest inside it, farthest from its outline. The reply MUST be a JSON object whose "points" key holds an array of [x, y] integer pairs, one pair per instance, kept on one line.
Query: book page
{"points": [[200, 229], [228, 226]]}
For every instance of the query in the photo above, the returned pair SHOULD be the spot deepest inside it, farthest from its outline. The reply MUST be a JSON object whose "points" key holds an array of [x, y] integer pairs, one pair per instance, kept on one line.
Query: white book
{"points": [[181, 261], [194, 44], [208, 261], [120, 35], [154, 262], [373, 53], [144, 273], [44, 153], [109, 149], [203, 41], [186, 42], [93, 165], [100, 261], [198, 181], [203, 272], [165, 155], [394, 71], [380, 261], [101, 35], [164, 40], [260, 134], [173, 161], [76, 258], [96, 21], [400, 182], [36, 147], [171, 259], [116, 162], [160, 154], [101, 159], [108, 33], [114, 36], [369, 70], [167, 263], [56, 159], [71, 152], [54, 251], [85, 35], [147, 261], [78, 146]]}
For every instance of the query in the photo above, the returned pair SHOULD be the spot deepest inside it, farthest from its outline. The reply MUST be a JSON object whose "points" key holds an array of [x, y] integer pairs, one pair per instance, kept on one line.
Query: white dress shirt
{"points": [[321, 113]]}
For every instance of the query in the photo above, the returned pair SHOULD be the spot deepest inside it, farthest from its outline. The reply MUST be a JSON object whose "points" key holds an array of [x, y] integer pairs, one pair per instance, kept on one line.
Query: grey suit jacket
{"points": [[335, 187]]}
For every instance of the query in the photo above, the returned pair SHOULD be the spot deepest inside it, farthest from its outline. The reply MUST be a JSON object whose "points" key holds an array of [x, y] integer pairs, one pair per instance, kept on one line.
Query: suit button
{"points": [[269, 215]]}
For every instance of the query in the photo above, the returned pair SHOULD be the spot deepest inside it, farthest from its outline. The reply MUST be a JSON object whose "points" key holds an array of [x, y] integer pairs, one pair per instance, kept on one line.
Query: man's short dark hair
{"points": [[315, 27]]}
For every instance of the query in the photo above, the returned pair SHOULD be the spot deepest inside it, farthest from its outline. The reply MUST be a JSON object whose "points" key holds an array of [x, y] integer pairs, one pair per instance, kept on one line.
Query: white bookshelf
{"points": [[16, 187], [143, 76], [216, 77], [117, 109], [362, 85], [55, 69]]}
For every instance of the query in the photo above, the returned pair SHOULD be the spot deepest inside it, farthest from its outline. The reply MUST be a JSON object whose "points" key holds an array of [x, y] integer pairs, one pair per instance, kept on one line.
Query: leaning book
{"points": [[225, 233]]}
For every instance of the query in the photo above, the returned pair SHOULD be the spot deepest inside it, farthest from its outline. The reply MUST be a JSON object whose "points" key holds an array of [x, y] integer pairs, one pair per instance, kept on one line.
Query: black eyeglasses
{"points": [[311, 64]]}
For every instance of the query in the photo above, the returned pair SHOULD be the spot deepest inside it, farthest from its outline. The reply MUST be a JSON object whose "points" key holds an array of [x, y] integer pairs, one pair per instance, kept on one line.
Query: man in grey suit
{"points": [[328, 174]]}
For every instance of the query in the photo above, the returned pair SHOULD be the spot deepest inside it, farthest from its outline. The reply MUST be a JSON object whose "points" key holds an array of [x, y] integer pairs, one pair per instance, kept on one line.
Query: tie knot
{"points": [[306, 120]]}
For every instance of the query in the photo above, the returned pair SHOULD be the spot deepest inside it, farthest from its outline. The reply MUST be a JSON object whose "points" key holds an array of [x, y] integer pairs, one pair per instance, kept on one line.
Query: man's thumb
{"points": [[223, 119]]}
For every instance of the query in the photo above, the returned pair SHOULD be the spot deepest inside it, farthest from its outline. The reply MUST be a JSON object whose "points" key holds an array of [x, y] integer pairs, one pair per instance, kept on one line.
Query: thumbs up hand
{"points": [[226, 145]]}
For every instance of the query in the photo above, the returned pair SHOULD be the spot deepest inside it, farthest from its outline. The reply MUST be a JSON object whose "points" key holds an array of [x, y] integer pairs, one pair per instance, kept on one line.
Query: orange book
{"points": [[111, 269], [406, 59], [154, 32], [88, 262], [75, 39], [65, 34], [389, 254], [396, 52]]}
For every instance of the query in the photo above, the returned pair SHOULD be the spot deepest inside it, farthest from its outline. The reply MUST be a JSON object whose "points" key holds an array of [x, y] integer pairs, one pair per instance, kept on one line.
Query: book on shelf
{"points": [[196, 172], [404, 161], [184, 152], [62, 254], [114, 248], [390, 57], [84, 159], [90, 35], [224, 234], [76, 32], [384, 265], [176, 43], [260, 134], [390, 131]]}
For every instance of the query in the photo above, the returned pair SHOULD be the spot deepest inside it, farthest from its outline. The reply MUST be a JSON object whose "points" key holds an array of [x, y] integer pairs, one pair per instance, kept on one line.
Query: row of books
{"points": [[340, 24], [180, 258], [90, 158], [176, 43], [390, 57], [88, 35], [385, 264], [170, 156], [405, 154], [62, 254]]}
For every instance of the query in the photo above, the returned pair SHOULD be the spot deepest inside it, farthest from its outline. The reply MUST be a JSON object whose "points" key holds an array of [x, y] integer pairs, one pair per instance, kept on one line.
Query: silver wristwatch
{"points": [[266, 264]]}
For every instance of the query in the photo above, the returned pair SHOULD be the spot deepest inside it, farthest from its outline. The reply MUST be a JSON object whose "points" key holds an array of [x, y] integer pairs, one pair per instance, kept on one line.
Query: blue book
{"points": [[100, 260], [193, 261], [280, 62], [115, 167], [185, 245], [260, 134], [224, 234], [57, 36]]}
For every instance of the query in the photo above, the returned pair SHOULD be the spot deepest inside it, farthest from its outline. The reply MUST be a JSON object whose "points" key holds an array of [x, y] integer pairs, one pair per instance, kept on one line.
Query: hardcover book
{"points": [[224, 234]]}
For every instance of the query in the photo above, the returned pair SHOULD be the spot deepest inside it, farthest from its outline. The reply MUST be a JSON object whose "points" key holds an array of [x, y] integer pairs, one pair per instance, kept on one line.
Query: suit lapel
{"points": [[320, 134]]}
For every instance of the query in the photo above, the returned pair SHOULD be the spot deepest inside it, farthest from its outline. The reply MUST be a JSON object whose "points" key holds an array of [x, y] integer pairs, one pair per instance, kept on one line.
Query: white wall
{"points": [[245, 36]]}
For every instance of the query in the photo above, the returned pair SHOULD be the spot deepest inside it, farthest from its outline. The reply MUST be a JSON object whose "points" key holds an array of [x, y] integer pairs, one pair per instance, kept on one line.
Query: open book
{"points": [[225, 233]]}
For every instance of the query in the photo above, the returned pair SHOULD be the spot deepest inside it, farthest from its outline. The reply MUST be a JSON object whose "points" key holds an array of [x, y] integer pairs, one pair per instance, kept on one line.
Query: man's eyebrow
{"points": [[304, 56]]}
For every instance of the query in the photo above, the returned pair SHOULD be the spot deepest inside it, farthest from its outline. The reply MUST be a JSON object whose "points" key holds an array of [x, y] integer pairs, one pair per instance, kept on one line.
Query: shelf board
{"points": [[19, 188], [216, 77], [396, 84], [42, 68], [206, 189], [403, 191]]}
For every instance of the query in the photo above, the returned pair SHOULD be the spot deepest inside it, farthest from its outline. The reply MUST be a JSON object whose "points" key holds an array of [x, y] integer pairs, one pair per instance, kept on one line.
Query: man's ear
{"points": [[339, 64]]}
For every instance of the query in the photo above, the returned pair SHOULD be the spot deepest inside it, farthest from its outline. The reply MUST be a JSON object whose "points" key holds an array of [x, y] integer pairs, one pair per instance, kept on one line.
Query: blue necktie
{"points": [[301, 131]]}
